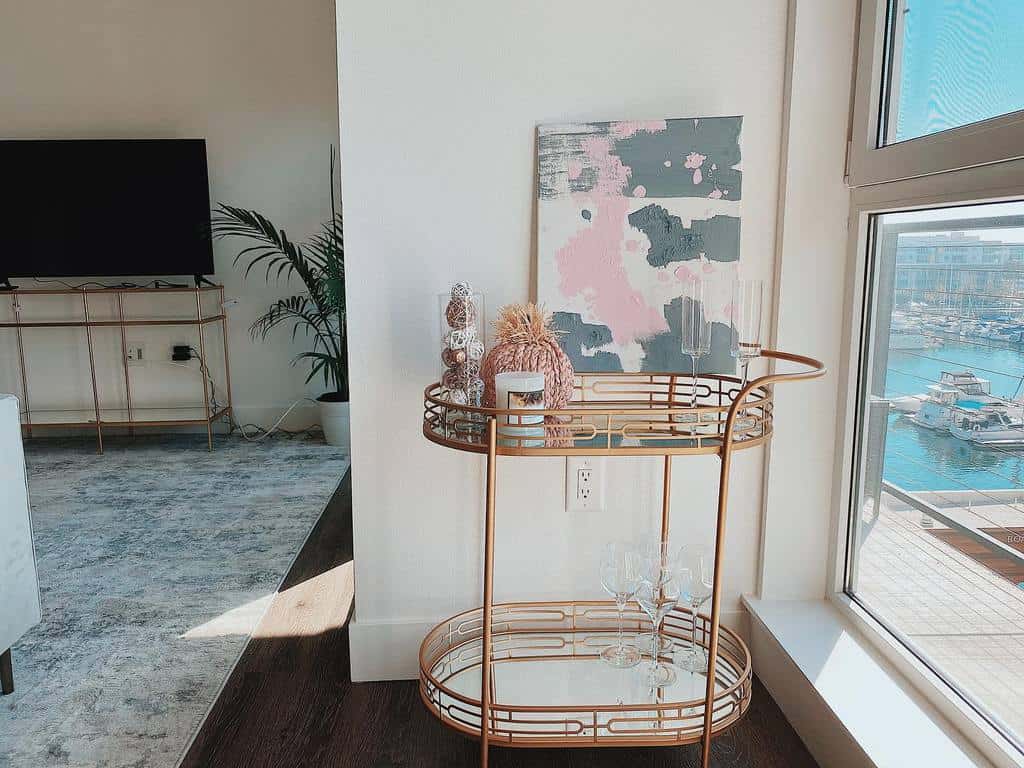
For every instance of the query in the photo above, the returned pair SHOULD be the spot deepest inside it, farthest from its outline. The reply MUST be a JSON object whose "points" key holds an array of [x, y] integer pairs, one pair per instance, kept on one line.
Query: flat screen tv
{"points": [[96, 208]]}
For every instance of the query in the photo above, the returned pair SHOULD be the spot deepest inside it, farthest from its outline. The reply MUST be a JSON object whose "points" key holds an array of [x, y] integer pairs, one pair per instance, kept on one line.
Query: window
{"points": [[951, 64], [939, 86], [933, 544], [936, 538]]}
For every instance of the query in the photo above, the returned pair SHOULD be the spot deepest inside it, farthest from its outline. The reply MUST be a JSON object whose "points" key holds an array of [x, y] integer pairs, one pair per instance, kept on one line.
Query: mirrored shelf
{"points": [[549, 686]]}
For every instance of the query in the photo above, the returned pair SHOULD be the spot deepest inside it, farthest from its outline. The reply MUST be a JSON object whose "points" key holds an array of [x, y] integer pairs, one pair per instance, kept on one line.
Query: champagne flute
{"points": [[694, 328], [620, 576], [745, 342], [657, 595], [696, 577]]}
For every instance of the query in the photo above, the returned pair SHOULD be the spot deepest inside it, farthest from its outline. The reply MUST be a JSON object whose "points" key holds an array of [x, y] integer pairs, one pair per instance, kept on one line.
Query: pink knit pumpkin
{"points": [[526, 343]]}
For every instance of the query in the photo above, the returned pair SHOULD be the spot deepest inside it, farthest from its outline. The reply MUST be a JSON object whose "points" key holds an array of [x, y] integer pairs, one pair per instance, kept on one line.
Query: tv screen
{"points": [[93, 208]]}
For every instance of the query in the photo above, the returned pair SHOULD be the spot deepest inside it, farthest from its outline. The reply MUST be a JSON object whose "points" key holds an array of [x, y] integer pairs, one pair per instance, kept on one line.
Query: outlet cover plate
{"points": [[584, 483]]}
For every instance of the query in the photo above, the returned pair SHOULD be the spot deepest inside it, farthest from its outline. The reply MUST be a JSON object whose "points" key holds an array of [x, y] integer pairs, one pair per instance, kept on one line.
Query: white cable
{"points": [[263, 433], [268, 432]]}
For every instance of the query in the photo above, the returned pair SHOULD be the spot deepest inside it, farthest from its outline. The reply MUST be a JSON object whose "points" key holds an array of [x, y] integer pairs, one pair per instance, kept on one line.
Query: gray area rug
{"points": [[156, 560]]}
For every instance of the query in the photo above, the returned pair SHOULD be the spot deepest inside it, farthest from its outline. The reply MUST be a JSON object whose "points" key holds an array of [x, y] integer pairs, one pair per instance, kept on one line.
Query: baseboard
{"points": [[303, 415], [389, 650], [386, 650]]}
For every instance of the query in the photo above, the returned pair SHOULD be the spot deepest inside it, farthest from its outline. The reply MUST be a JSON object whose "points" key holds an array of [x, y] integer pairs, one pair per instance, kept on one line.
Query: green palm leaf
{"points": [[319, 313]]}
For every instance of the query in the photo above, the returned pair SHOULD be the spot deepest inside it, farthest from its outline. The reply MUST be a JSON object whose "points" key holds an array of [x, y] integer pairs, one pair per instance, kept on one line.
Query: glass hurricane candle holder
{"points": [[462, 332]]}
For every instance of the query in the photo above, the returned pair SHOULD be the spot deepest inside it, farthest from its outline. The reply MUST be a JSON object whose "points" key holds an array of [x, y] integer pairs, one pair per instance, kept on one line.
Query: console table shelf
{"points": [[129, 413], [529, 674]]}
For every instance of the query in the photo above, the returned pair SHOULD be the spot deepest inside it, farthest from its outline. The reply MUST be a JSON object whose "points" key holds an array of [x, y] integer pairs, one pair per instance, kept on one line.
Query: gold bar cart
{"points": [[611, 414]]}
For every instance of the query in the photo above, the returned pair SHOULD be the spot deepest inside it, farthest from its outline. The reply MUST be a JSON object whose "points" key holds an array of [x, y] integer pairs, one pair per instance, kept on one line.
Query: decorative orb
{"points": [[452, 357], [475, 349], [460, 338], [454, 378], [460, 313], [462, 291]]}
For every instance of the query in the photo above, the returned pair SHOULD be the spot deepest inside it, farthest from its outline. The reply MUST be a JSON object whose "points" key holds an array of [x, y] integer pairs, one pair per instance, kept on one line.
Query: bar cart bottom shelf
{"points": [[549, 686]]}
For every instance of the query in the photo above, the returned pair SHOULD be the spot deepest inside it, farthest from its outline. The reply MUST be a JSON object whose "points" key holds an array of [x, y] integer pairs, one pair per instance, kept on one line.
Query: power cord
{"points": [[152, 283], [260, 433]]}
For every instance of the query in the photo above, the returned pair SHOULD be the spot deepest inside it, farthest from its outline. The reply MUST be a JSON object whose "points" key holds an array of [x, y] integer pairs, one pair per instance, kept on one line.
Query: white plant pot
{"points": [[334, 420]]}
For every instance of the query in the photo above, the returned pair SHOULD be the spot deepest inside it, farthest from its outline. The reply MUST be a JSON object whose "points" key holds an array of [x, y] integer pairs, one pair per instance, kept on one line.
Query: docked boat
{"points": [[906, 334], [991, 426], [934, 410], [953, 388]]}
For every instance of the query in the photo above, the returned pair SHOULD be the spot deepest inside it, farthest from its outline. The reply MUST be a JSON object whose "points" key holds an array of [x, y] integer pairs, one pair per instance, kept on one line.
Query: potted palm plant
{"points": [[318, 313]]}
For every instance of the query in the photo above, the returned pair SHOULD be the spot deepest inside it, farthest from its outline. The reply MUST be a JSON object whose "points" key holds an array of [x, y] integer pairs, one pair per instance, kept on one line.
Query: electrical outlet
{"points": [[584, 484], [135, 352]]}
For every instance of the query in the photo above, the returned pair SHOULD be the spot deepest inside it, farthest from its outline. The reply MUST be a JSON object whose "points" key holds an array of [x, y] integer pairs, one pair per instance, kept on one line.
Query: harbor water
{"points": [[920, 459]]}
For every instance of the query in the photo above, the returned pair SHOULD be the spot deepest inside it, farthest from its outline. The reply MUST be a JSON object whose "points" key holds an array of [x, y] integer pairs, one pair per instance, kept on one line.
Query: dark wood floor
{"points": [[290, 702]]}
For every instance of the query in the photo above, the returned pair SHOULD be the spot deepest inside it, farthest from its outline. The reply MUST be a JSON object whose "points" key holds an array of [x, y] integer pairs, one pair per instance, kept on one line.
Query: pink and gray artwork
{"points": [[627, 212]]}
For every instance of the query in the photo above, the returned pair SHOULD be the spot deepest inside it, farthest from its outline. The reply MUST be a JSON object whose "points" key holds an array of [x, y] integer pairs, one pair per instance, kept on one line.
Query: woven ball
{"points": [[540, 357], [460, 313], [453, 378], [462, 290], [451, 357], [460, 337]]}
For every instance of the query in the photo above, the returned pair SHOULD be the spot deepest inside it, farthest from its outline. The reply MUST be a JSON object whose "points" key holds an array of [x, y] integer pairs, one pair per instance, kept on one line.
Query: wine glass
{"points": [[620, 576], [696, 579], [745, 343], [695, 329], [658, 594]]}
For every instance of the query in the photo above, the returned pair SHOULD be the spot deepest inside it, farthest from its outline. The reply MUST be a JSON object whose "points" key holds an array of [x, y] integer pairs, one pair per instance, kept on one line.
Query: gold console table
{"points": [[528, 674], [127, 413]]}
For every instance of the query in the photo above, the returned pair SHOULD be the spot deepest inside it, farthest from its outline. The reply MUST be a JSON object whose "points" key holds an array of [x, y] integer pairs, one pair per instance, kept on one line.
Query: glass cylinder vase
{"points": [[462, 326]]}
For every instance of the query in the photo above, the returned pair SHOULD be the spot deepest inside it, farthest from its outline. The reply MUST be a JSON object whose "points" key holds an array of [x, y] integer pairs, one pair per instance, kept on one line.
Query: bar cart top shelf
{"points": [[626, 414]]}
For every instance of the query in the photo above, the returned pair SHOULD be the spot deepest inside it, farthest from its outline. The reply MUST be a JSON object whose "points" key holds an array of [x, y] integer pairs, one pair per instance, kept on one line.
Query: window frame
{"points": [[986, 184], [988, 141]]}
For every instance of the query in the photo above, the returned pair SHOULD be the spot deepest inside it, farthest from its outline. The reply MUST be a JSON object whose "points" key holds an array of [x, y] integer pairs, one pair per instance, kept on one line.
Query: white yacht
{"points": [[905, 333], [988, 426], [934, 409], [953, 387]]}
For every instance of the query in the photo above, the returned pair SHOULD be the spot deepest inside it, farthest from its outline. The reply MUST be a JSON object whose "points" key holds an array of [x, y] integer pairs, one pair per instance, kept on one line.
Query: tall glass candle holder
{"points": [[462, 325]]}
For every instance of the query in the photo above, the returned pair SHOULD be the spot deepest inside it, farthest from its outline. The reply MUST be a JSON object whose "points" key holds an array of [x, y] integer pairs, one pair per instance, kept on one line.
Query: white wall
{"points": [[440, 104], [256, 78], [811, 289]]}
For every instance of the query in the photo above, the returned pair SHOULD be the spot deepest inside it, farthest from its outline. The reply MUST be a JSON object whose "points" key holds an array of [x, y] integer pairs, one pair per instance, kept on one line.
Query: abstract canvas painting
{"points": [[627, 211]]}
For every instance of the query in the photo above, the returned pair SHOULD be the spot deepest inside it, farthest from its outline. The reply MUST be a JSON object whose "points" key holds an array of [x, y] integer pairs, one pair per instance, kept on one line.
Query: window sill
{"points": [[849, 703]]}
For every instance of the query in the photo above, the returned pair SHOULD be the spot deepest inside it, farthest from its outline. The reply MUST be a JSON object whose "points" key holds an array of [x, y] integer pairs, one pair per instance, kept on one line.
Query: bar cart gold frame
{"points": [[611, 414], [121, 322]]}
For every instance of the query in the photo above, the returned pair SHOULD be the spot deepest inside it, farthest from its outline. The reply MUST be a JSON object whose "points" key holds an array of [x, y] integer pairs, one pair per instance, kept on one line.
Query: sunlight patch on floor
{"points": [[312, 607]]}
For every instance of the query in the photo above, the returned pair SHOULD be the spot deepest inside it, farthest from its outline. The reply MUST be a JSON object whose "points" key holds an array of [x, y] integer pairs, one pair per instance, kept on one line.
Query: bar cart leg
{"points": [[485, 669], [716, 595]]}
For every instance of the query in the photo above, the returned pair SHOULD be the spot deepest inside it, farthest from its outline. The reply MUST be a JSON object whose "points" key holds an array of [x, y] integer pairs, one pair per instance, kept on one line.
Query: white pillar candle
{"points": [[519, 390]]}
